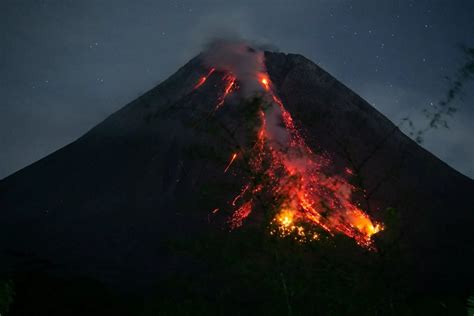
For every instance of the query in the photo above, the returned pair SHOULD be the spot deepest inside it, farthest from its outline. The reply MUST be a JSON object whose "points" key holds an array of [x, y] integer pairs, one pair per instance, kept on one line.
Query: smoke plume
{"points": [[239, 58]]}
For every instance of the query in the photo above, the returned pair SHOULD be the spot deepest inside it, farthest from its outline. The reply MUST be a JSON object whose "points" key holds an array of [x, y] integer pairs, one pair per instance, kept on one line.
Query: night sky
{"points": [[66, 65]]}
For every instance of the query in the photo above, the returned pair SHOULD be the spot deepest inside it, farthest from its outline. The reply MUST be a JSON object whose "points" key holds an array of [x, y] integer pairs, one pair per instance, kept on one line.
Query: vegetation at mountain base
{"points": [[249, 272], [7, 293]]}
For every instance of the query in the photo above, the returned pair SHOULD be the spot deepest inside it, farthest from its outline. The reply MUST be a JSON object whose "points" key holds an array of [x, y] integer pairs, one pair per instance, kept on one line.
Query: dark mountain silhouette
{"points": [[109, 205]]}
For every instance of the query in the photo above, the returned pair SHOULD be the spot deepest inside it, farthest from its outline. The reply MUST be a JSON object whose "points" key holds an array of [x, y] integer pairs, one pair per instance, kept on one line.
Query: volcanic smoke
{"points": [[304, 198]]}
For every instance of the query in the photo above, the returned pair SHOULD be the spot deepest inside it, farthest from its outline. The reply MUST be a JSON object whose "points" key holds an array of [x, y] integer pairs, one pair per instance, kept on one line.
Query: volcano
{"points": [[271, 143]]}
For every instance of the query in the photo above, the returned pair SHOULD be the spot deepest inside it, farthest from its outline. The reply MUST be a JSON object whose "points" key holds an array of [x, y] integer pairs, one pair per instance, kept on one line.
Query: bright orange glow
{"points": [[285, 218], [306, 198], [285, 224], [263, 78], [230, 162]]}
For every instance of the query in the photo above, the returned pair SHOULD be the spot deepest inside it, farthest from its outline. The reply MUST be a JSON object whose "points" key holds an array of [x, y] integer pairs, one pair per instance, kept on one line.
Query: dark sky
{"points": [[65, 65]]}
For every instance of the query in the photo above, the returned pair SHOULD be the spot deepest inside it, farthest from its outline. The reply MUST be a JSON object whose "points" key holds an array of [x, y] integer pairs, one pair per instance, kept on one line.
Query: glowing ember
{"points": [[241, 214], [304, 197], [349, 171], [230, 162], [284, 225], [285, 217], [240, 195], [312, 196]]}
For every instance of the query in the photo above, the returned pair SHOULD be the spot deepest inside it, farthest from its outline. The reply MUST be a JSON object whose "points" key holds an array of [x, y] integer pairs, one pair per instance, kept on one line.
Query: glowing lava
{"points": [[229, 80], [241, 214], [283, 167], [308, 194], [204, 78], [230, 162], [265, 81]]}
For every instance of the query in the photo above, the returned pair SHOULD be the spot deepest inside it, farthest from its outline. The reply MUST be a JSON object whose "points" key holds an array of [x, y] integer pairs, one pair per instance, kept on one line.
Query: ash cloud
{"points": [[246, 61], [275, 128], [239, 57]]}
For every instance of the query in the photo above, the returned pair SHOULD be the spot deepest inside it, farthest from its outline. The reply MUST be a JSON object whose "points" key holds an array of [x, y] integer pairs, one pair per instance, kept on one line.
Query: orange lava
{"points": [[230, 162], [304, 197], [309, 194], [204, 78], [229, 85], [265, 81]]}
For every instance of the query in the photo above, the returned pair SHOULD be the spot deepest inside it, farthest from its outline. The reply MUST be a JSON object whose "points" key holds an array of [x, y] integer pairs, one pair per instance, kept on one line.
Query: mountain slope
{"points": [[108, 205]]}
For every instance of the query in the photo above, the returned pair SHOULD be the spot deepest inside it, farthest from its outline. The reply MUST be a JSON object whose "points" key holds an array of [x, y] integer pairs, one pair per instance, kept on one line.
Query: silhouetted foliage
{"points": [[470, 305], [6, 296], [438, 115]]}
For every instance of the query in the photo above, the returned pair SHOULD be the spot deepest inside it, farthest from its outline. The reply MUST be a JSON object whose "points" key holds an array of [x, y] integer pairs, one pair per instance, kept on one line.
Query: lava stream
{"points": [[230, 162], [204, 78], [303, 194], [229, 80]]}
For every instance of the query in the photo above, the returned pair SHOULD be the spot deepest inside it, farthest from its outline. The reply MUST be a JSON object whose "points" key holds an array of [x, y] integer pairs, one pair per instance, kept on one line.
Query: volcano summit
{"points": [[240, 140]]}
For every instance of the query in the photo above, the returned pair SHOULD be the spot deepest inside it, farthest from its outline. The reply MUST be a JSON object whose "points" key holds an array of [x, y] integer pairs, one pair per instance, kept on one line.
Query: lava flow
{"points": [[230, 162], [229, 85], [303, 196], [204, 78]]}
